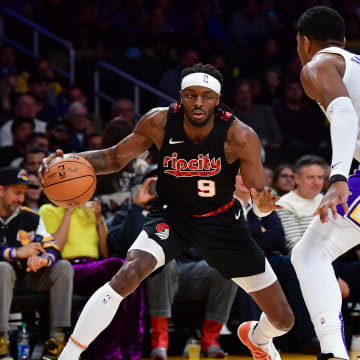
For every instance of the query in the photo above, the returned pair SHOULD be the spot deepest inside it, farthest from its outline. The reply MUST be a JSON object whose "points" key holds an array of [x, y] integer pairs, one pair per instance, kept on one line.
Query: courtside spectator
{"points": [[299, 205], [30, 262], [81, 237]]}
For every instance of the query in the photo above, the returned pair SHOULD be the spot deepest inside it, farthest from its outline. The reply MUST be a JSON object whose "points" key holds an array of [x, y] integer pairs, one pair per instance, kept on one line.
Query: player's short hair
{"points": [[321, 23], [204, 68], [308, 160]]}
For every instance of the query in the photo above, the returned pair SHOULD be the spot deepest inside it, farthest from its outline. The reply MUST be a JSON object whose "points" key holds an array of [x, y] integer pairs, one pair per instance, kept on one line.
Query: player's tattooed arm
{"points": [[143, 136], [99, 159]]}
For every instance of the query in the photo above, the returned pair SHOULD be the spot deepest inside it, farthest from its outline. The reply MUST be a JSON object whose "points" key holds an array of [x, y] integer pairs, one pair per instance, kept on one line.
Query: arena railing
{"points": [[137, 85], [34, 52]]}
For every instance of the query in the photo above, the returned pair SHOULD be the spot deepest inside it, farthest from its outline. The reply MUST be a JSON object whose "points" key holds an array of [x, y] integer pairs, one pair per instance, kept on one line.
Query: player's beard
{"points": [[198, 124]]}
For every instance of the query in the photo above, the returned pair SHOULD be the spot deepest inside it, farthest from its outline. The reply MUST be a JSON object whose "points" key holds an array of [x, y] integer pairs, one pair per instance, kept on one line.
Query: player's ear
{"points": [[181, 100], [217, 100], [307, 44]]}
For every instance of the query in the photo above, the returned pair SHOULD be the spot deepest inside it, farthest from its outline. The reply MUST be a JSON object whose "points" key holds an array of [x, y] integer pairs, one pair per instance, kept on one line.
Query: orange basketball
{"points": [[70, 181]]}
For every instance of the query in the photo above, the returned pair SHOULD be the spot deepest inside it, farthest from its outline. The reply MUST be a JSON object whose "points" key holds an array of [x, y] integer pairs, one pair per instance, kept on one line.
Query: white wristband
{"points": [[259, 213]]}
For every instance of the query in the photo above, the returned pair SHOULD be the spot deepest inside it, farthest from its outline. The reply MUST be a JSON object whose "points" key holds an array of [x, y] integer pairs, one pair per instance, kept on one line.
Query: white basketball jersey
{"points": [[351, 80]]}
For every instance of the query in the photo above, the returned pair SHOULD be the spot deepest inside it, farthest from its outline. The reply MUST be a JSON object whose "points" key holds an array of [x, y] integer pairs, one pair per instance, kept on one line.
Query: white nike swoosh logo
{"points": [[172, 142], [237, 216]]}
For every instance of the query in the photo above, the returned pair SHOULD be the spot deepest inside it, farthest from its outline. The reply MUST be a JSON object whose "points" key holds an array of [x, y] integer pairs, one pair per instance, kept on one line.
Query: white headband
{"points": [[201, 79]]}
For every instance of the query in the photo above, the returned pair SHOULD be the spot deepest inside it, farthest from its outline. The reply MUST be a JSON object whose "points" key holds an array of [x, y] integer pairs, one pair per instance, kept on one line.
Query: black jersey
{"points": [[195, 178]]}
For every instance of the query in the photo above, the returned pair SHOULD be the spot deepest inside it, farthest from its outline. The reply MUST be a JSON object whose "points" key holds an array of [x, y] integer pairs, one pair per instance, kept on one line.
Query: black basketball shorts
{"points": [[222, 239]]}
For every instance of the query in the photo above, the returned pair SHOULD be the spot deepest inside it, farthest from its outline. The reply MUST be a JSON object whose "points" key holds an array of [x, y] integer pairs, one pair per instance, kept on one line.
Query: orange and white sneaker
{"points": [[258, 352]]}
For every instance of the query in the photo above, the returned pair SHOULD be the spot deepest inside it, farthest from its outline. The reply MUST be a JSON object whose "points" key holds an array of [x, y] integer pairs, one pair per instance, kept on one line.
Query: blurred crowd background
{"points": [[252, 43]]}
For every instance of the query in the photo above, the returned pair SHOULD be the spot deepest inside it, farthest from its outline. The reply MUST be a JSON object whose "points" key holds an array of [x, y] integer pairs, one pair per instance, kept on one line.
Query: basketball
{"points": [[70, 181]]}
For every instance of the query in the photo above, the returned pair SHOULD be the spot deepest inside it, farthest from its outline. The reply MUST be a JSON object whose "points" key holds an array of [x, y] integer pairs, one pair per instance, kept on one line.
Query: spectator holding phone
{"points": [[81, 236], [123, 233]]}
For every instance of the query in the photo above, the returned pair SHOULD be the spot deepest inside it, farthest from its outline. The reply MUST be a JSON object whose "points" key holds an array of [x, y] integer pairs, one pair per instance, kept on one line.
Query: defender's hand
{"points": [[35, 263], [45, 163], [265, 200], [28, 250], [337, 193]]}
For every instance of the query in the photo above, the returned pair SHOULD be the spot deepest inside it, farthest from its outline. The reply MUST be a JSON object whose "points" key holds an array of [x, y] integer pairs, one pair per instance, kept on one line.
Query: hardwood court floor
{"points": [[284, 356]]}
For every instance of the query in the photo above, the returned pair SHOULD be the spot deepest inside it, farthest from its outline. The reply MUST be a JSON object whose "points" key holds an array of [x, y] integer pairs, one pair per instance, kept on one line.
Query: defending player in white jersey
{"points": [[331, 76]]}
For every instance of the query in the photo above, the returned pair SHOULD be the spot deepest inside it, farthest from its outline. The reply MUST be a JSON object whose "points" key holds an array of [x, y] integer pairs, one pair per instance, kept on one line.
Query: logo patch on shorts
{"points": [[163, 231]]}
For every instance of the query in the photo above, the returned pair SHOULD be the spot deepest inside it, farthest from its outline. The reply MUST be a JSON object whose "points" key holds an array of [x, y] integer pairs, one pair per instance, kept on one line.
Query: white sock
{"points": [[265, 331], [94, 318], [329, 328]]}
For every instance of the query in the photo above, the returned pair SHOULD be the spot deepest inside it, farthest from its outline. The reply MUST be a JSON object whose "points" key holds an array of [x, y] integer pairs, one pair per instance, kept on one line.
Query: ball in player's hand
{"points": [[69, 181]]}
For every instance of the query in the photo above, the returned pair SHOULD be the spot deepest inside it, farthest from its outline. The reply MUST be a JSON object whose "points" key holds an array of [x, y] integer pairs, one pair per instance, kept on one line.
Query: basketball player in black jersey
{"points": [[201, 148]]}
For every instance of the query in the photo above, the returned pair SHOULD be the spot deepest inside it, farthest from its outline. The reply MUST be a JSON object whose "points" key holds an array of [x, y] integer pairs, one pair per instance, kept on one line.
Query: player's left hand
{"points": [[35, 263], [265, 200], [337, 193]]}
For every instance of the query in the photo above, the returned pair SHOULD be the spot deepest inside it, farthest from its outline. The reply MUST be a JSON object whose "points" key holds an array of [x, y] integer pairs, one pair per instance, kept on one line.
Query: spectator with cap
{"points": [[30, 261], [21, 130], [26, 106]]}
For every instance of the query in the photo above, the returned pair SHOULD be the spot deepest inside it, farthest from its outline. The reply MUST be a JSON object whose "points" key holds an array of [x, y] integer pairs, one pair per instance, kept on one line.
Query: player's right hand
{"points": [[46, 161], [28, 250], [337, 193]]}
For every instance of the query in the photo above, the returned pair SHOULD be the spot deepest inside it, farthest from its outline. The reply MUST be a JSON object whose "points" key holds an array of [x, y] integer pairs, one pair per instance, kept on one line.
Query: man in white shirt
{"points": [[300, 204]]}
